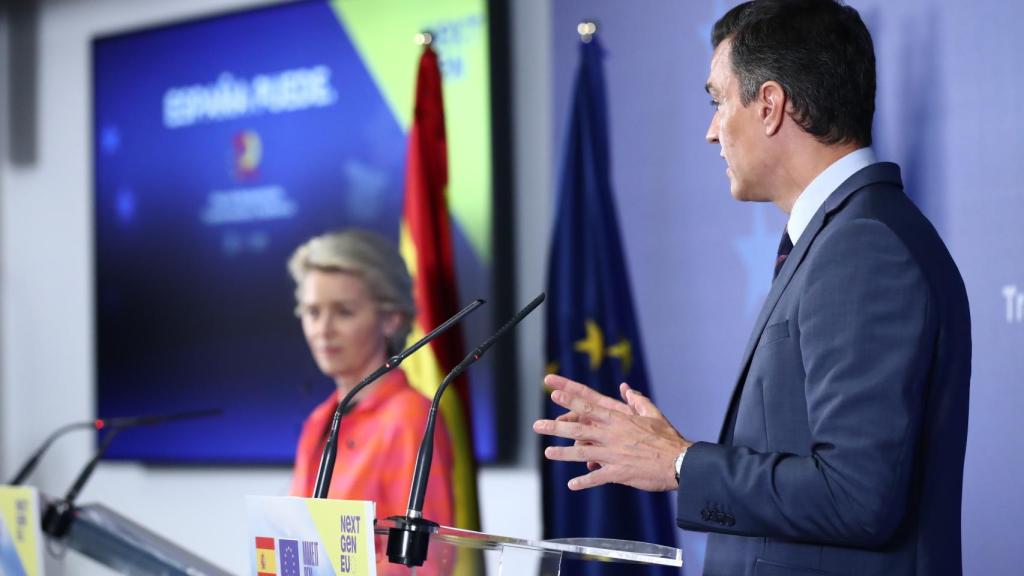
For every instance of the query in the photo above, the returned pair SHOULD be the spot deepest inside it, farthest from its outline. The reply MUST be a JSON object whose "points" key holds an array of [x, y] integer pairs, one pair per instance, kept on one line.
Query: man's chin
{"points": [[745, 194], [738, 192]]}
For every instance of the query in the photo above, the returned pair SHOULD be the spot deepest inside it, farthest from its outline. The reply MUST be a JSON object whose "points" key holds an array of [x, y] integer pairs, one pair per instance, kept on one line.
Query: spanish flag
{"points": [[426, 245], [266, 560]]}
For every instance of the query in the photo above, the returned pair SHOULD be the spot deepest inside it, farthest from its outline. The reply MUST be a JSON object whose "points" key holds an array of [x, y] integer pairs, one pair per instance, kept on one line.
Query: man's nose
{"points": [[712, 134]]}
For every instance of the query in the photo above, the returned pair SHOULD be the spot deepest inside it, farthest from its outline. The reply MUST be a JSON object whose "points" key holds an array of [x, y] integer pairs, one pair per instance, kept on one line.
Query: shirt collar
{"points": [[388, 385], [811, 199]]}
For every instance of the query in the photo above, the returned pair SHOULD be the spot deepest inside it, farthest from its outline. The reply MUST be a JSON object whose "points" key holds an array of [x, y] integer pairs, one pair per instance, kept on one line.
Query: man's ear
{"points": [[773, 102]]}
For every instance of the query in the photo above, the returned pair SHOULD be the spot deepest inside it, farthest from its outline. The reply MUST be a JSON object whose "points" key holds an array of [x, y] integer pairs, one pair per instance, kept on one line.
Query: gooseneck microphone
{"points": [[133, 421], [99, 424], [30, 465], [330, 453], [410, 536], [58, 516]]}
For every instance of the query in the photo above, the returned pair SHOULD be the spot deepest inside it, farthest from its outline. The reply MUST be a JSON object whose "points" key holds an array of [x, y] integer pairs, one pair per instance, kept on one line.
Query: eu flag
{"points": [[592, 335]]}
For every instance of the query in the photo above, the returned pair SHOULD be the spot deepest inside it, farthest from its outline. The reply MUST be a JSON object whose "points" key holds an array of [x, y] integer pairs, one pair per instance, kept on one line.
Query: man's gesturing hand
{"points": [[627, 442]]}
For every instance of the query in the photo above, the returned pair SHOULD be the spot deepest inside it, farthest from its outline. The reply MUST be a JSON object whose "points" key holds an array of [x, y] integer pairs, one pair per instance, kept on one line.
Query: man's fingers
{"points": [[568, 430], [571, 387], [575, 453], [572, 417], [588, 409], [624, 390], [595, 478], [639, 403]]}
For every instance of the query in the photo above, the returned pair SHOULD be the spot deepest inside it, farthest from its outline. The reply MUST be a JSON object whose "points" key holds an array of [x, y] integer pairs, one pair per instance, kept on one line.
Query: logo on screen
{"points": [[248, 154]]}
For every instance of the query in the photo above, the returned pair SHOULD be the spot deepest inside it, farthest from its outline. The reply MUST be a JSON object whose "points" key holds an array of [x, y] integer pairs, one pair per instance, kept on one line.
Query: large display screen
{"points": [[221, 145]]}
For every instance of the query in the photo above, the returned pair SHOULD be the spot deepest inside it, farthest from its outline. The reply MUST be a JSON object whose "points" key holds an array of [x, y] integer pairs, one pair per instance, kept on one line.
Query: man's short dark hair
{"points": [[819, 51]]}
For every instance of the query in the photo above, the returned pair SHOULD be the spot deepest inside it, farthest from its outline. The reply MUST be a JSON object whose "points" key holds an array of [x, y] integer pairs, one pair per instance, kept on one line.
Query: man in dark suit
{"points": [[843, 447]]}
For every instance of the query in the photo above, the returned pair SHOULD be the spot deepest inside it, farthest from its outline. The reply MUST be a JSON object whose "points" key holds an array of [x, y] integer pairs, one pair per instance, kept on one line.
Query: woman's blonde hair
{"points": [[370, 257]]}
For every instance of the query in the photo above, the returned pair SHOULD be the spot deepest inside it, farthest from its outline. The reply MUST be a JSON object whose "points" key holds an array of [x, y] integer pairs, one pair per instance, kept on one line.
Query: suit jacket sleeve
{"points": [[865, 336]]}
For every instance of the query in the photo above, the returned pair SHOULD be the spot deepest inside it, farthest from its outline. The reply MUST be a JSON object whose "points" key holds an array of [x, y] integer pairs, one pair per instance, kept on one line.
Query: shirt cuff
{"points": [[679, 464]]}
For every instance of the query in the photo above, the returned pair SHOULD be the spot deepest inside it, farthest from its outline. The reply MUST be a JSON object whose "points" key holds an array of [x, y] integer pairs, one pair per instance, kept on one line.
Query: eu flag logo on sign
{"points": [[592, 334], [289, 557]]}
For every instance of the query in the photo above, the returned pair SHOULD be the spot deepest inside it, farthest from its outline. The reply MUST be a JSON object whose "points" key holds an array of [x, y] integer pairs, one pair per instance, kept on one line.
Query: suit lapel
{"points": [[881, 172]]}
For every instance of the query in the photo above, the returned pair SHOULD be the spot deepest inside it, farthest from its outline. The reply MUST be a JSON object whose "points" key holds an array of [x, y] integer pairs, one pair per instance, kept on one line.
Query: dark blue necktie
{"points": [[785, 247]]}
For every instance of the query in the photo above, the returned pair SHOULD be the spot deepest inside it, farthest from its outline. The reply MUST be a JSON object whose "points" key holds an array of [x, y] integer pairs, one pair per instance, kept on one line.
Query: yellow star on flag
{"points": [[623, 352], [592, 345]]}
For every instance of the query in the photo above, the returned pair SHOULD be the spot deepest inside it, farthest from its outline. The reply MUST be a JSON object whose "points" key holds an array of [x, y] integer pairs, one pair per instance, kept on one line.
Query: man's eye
{"points": [[715, 104]]}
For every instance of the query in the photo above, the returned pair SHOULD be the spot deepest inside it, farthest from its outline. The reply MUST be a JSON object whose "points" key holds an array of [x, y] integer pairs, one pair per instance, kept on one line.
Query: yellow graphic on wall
{"points": [[383, 33]]}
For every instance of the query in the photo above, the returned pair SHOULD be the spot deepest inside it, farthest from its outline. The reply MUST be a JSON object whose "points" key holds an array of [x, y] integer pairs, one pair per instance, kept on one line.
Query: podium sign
{"points": [[21, 539], [291, 536], [311, 537]]}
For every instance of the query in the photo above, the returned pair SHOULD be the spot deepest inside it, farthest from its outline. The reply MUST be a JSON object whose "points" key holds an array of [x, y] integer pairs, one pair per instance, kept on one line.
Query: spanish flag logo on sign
{"points": [[266, 559]]}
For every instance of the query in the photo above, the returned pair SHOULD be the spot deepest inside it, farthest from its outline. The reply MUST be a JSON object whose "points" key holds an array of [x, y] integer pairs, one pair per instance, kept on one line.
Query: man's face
{"points": [[738, 130]]}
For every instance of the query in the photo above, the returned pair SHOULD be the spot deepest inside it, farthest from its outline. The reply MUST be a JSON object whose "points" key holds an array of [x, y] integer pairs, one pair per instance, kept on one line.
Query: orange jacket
{"points": [[377, 447]]}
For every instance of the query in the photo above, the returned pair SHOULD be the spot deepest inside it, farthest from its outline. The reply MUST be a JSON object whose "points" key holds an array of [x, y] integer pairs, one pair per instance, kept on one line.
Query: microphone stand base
{"points": [[57, 518], [408, 540]]}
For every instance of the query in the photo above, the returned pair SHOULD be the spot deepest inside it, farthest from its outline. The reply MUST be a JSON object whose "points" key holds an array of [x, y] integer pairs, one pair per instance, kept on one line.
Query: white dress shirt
{"points": [[822, 187]]}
